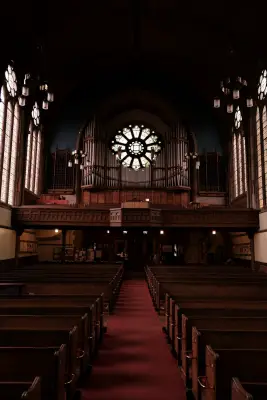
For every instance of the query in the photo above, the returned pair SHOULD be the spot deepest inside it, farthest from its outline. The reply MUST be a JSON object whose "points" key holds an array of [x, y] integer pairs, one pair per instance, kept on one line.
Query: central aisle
{"points": [[134, 362]]}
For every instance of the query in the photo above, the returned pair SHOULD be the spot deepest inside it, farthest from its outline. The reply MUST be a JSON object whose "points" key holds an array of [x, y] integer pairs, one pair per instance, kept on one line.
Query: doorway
{"points": [[137, 250]]}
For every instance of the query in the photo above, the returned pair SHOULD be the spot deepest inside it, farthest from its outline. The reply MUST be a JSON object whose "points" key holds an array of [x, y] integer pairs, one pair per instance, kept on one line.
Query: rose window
{"points": [[262, 85], [238, 118], [11, 81], [136, 146]]}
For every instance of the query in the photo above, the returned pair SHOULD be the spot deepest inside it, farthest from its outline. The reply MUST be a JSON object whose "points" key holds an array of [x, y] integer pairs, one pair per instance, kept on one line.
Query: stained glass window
{"points": [[239, 157], [136, 146], [261, 140], [33, 159]]}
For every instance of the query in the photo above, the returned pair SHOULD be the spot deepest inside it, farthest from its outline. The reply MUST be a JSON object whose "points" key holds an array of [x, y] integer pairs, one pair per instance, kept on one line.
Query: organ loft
{"points": [[133, 193]]}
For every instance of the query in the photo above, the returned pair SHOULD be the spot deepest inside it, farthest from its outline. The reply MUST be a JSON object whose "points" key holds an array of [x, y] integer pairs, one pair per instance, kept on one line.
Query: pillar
{"points": [[78, 189], [194, 181], [252, 250], [64, 232], [19, 232]]}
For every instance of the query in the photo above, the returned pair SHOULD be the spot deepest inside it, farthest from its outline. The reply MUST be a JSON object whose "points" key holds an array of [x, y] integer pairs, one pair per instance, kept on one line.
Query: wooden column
{"points": [[194, 181], [64, 232], [252, 250], [78, 190], [19, 232]]}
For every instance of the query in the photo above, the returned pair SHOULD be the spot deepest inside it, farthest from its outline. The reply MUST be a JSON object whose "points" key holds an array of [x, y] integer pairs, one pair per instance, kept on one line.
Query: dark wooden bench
{"points": [[48, 338], [54, 322], [209, 308], [223, 364], [7, 289], [248, 390], [22, 364], [60, 305], [213, 324], [21, 390]]}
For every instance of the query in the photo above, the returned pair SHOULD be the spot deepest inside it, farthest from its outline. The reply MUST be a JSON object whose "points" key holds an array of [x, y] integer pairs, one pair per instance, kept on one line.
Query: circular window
{"points": [[11, 81], [262, 85], [238, 118], [136, 146]]}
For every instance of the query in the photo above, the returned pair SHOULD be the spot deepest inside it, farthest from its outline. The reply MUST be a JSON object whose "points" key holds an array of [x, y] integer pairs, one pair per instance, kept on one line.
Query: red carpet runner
{"points": [[134, 362]]}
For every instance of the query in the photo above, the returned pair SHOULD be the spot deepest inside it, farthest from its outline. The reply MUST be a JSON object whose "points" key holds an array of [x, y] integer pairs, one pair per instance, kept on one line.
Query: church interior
{"points": [[133, 199]]}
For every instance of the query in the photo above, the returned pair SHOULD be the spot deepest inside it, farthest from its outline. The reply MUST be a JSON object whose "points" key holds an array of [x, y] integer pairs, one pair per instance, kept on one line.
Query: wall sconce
{"points": [[213, 232], [56, 230], [161, 232]]}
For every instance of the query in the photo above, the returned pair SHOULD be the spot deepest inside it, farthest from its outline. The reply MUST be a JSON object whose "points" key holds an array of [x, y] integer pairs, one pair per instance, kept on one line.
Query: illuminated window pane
{"points": [[235, 167], [38, 162], [245, 163], [28, 158], [2, 120], [33, 160], [136, 131], [13, 159], [7, 153]]}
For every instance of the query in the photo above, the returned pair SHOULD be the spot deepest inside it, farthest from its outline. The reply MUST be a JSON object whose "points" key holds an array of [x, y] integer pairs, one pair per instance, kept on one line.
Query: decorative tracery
{"points": [[136, 146], [11, 81], [239, 163]]}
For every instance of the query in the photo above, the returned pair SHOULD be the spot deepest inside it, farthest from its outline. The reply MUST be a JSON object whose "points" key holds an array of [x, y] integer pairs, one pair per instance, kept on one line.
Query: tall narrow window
{"points": [[33, 157], [261, 136], [239, 157], [9, 137]]}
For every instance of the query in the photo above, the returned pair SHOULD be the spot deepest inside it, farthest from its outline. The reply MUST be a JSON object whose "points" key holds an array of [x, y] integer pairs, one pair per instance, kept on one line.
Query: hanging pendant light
{"points": [[197, 165], [236, 94], [81, 167], [50, 97], [22, 101], [76, 161], [230, 108], [69, 163], [25, 91], [216, 103], [45, 105], [249, 102]]}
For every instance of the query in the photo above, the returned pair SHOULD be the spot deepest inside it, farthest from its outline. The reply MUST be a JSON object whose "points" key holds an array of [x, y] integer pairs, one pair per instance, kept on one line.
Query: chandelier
{"points": [[231, 90]]}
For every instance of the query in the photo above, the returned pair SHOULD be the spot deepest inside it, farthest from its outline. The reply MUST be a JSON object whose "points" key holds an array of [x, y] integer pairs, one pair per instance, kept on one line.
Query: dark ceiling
{"points": [[194, 42]]}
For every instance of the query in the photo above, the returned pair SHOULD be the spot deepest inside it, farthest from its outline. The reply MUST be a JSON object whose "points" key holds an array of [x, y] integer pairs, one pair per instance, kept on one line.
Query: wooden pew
{"points": [[213, 324], [248, 390], [209, 308], [54, 322], [21, 364], [223, 364], [15, 289], [21, 390], [60, 305], [48, 338], [223, 339]]}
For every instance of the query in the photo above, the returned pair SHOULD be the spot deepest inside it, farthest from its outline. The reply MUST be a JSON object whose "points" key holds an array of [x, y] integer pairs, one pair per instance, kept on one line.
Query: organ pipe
{"points": [[104, 170]]}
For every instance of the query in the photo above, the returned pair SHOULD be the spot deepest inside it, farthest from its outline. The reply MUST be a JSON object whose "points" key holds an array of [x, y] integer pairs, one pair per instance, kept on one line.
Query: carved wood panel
{"points": [[206, 217]]}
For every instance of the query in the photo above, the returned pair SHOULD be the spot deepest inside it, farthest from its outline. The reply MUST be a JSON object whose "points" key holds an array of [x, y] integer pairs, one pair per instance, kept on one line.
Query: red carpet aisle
{"points": [[134, 362]]}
